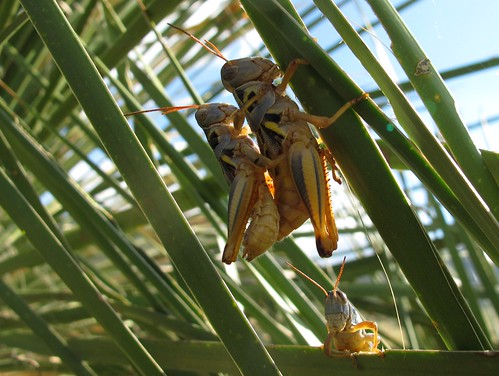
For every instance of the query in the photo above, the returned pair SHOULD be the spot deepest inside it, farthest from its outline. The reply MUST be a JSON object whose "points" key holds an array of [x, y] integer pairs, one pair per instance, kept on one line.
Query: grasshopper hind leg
{"points": [[309, 175], [242, 196]]}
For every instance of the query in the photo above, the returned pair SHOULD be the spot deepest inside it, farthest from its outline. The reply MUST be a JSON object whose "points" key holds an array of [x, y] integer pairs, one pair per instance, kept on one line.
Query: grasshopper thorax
{"points": [[237, 72]]}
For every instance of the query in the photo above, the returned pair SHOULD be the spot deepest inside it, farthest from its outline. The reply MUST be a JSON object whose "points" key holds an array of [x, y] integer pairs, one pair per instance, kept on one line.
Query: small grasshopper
{"points": [[244, 169], [344, 325], [298, 166]]}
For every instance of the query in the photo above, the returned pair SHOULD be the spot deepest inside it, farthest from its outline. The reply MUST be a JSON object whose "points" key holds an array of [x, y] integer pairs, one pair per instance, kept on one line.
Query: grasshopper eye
{"points": [[228, 73], [201, 116]]}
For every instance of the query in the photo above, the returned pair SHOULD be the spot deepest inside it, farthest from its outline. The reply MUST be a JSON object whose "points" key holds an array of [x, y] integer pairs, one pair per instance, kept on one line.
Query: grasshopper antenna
{"points": [[339, 275], [206, 44], [164, 110], [310, 279]]}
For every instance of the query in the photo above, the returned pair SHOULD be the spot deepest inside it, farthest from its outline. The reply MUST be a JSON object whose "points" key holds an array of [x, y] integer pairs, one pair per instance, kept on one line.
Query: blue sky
{"points": [[453, 34]]}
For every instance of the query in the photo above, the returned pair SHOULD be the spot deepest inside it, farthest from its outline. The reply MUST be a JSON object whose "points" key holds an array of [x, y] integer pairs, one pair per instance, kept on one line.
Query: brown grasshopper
{"points": [[345, 327], [244, 169], [298, 166]]}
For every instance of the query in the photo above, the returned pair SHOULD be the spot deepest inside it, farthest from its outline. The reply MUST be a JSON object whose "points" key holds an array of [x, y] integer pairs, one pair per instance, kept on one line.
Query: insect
{"points": [[244, 169], [345, 327], [298, 166]]}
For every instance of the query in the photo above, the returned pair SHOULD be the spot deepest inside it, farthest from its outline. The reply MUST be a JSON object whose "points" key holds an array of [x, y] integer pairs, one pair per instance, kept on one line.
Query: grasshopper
{"points": [[345, 327], [244, 169], [298, 166]]}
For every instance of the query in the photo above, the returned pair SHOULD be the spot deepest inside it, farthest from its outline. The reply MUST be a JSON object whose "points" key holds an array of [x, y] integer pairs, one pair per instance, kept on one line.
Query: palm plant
{"points": [[111, 237]]}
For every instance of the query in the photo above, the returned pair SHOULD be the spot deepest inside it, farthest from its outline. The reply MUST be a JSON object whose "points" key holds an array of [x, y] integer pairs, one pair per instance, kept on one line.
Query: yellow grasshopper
{"points": [[244, 169], [298, 166], [345, 327]]}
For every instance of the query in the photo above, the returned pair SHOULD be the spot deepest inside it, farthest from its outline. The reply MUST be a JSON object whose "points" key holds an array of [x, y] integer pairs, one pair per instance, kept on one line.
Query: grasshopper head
{"points": [[240, 71], [337, 310], [214, 113], [216, 120]]}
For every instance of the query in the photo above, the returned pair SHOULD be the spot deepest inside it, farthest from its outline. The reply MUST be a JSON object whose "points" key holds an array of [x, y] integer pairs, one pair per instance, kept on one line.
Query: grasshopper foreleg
{"points": [[288, 74], [354, 338]]}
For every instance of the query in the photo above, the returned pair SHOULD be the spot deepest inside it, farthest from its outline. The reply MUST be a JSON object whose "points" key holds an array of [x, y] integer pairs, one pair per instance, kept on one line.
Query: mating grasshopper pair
{"points": [[346, 329], [287, 150], [295, 162]]}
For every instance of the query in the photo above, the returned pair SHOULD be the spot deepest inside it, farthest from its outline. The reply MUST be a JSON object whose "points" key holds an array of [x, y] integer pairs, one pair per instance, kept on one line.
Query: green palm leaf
{"points": [[111, 238]]}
